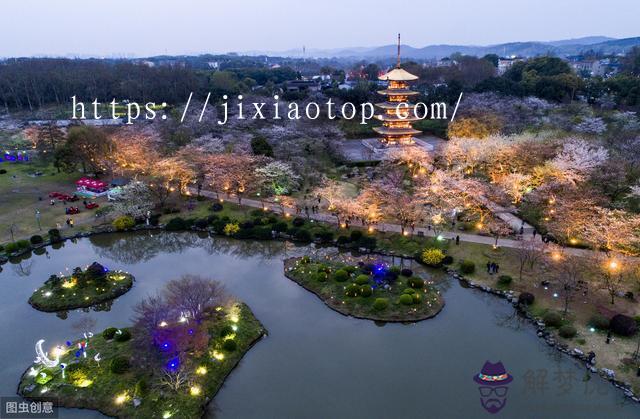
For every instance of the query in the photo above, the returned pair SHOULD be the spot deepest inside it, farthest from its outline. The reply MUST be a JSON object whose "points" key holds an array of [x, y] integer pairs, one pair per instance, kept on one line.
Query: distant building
{"points": [[590, 68], [300, 85], [214, 65], [445, 62], [505, 63]]}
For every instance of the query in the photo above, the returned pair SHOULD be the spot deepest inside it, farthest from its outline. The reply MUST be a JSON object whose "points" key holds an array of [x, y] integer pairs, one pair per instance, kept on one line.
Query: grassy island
{"points": [[175, 377], [367, 291], [95, 285]]}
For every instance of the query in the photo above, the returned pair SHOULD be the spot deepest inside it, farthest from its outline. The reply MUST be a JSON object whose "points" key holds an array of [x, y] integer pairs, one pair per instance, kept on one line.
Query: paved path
{"points": [[387, 227]]}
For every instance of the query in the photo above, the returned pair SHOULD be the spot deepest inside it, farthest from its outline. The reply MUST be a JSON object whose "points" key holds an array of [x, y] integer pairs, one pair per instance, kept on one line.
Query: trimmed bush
{"points": [[176, 224], [123, 222], [599, 322], [231, 229], [504, 280], [302, 235], [109, 332], [406, 272], [280, 227], [36, 239], [123, 336], [432, 256], [567, 331], [352, 290], [201, 223], [448, 260], [362, 279], [380, 304], [526, 298], [54, 234], [11, 247], [298, 222], [23, 244], [623, 325], [406, 299], [552, 319], [324, 236], [342, 240], [365, 291], [415, 282], [226, 331], [368, 242], [216, 207], [119, 365], [417, 297], [356, 235], [467, 267], [409, 291], [350, 269], [142, 387], [229, 345], [340, 275], [320, 276]]}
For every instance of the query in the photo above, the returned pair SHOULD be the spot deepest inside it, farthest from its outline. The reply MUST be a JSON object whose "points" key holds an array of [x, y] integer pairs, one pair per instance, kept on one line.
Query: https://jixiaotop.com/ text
{"points": [[236, 108]]}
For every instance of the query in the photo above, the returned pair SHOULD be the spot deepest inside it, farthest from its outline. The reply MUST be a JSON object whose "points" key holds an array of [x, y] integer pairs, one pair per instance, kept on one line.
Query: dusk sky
{"points": [[145, 27]]}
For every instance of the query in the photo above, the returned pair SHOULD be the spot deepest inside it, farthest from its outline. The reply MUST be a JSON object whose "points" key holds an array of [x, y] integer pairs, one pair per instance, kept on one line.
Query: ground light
{"points": [[195, 390], [121, 398], [201, 370]]}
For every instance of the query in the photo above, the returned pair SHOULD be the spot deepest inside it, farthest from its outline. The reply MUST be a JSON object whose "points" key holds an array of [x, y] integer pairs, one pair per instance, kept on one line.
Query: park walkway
{"points": [[395, 228]]}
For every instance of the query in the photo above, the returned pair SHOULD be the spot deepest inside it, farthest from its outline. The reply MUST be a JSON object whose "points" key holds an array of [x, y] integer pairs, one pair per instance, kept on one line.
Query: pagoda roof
{"points": [[396, 131], [397, 92], [398, 74], [394, 118], [394, 105]]}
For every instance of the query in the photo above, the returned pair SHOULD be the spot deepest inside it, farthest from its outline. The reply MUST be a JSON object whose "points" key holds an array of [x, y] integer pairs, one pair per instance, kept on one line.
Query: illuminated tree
{"points": [[277, 178], [135, 200], [578, 159]]}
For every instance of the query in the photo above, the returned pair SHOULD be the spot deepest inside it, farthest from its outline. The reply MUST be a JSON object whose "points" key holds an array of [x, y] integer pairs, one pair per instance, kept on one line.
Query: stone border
{"points": [[547, 336]]}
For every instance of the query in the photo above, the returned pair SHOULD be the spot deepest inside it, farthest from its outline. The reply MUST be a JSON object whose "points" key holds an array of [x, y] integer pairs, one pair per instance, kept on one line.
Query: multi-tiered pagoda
{"points": [[395, 129]]}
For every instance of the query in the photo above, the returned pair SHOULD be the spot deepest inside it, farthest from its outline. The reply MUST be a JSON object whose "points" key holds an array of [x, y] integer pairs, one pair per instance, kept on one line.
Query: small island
{"points": [[95, 285], [373, 291], [170, 363]]}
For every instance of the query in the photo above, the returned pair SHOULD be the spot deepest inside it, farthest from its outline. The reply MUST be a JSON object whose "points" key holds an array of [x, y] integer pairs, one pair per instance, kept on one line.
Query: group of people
{"points": [[492, 268]]}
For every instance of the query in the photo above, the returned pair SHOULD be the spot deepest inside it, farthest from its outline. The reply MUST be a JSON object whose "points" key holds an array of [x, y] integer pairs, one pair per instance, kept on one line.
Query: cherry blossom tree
{"points": [[578, 159], [135, 200]]}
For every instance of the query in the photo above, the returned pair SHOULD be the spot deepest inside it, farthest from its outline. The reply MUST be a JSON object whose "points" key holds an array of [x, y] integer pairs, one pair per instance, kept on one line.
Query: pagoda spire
{"points": [[398, 63]]}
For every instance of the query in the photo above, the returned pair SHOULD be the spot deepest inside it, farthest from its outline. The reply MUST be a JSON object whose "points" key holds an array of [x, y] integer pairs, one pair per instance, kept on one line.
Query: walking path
{"points": [[395, 228]]}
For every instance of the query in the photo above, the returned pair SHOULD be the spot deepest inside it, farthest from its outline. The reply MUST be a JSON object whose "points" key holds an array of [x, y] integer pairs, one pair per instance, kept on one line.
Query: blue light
{"points": [[173, 364], [165, 346]]}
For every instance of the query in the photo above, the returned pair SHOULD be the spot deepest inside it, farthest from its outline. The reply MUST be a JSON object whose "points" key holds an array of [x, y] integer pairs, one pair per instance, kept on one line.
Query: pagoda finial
{"points": [[398, 63]]}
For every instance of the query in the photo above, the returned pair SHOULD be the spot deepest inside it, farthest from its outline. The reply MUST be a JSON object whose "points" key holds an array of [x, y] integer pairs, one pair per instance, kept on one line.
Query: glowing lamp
{"points": [[201, 370], [121, 398], [218, 355], [195, 390]]}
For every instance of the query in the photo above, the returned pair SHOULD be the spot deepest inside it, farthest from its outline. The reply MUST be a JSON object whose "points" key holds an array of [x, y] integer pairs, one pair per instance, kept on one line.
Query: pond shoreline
{"points": [[541, 330]]}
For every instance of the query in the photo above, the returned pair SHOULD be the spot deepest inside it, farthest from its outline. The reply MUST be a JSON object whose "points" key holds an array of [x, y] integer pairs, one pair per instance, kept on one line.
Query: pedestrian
{"points": [[488, 267], [497, 268], [535, 231], [457, 240], [71, 222], [608, 341], [521, 230], [52, 202]]}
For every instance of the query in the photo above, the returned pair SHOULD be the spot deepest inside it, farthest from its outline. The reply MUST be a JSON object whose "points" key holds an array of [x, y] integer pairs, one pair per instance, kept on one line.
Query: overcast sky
{"points": [[145, 27]]}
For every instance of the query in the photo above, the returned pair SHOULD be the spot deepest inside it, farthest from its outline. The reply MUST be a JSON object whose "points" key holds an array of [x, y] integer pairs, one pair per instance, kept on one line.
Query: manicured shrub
{"points": [[365, 291], [504, 280], [448, 260], [406, 299], [324, 236], [467, 267], [123, 222], [623, 325], [415, 282], [526, 298], [298, 222], [246, 225], [95, 271], [350, 269], [302, 235], [119, 365], [417, 297], [54, 234], [23, 244], [406, 272], [229, 345], [380, 304], [226, 331], [320, 276], [340, 275], [3, 171], [342, 240], [409, 291], [280, 227], [599, 322], [36, 239], [123, 336], [368, 242], [201, 223], [362, 279], [216, 207], [552, 319], [567, 331], [176, 224], [432, 256], [11, 247], [231, 229], [109, 333], [356, 235], [352, 290], [142, 387]]}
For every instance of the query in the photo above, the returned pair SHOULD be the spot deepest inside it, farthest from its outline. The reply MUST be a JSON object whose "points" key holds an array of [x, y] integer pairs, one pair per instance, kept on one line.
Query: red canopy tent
{"points": [[92, 185]]}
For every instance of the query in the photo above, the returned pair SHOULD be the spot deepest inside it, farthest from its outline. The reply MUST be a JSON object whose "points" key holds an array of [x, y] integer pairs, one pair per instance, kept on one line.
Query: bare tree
{"points": [[175, 379], [193, 295], [568, 270], [528, 252]]}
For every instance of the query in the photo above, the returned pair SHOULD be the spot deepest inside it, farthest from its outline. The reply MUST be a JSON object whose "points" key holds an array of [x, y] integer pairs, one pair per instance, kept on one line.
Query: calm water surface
{"points": [[315, 363]]}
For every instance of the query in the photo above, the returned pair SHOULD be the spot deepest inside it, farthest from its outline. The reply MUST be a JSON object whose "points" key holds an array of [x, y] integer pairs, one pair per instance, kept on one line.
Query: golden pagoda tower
{"points": [[395, 130]]}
